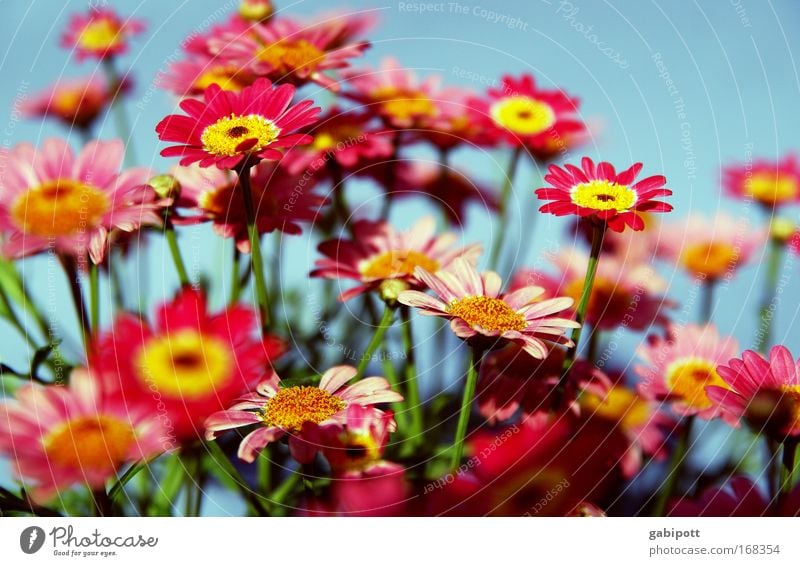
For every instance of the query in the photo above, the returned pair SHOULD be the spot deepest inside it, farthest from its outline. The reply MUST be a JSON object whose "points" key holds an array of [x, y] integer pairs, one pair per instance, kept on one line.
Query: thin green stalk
{"points": [[175, 252], [94, 296], [466, 407], [412, 384], [12, 317], [391, 174], [115, 279], [257, 264], [221, 461], [129, 474], [285, 488], [598, 233], [377, 340], [594, 344], [676, 462], [767, 315], [264, 471], [787, 470], [236, 277], [505, 195], [71, 272], [400, 415], [120, 115], [707, 301]]}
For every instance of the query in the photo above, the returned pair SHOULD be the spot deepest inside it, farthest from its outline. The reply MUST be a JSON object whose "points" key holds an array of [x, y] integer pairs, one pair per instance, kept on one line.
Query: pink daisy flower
{"points": [[299, 411], [378, 254], [189, 363], [341, 135], [712, 248], [479, 312], [51, 198], [764, 392], [59, 436], [74, 102], [598, 192], [394, 93], [283, 202], [624, 294], [287, 51], [100, 33], [771, 184], [678, 368], [521, 114], [229, 127]]}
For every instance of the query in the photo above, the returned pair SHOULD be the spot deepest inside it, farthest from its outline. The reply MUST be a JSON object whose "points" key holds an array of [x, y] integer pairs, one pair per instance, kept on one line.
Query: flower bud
{"points": [[390, 289], [782, 229], [256, 10], [165, 186]]}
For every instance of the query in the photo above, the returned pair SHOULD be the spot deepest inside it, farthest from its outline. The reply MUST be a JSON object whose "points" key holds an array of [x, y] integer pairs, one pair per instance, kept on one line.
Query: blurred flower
{"points": [[453, 123], [358, 445], [766, 393], [395, 94], [740, 497], [545, 122], [378, 492], [282, 201], [229, 127], [299, 411], [771, 184], [378, 253], [600, 193], [57, 436], [289, 51], [76, 103], [510, 381], [52, 199], [188, 364], [637, 418], [711, 248], [100, 33], [628, 295], [192, 77], [478, 312], [343, 136], [679, 367]]}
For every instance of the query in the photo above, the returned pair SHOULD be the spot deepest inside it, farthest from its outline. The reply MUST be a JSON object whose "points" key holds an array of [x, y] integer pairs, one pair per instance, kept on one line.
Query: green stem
{"points": [[175, 251], [676, 462], [12, 317], [257, 260], [391, 174], [221, 460], [466, 407], [505, 195], [400, 415], [120, 115], [594, 344], [377, 339], [102, 503], [129, 474], [264, 471], [787, 470], [707, 301], [71, 272], [236, 277], [767, 312], [286, 487], [412, 384], [598, 233], [94, 296], [115, 279]]}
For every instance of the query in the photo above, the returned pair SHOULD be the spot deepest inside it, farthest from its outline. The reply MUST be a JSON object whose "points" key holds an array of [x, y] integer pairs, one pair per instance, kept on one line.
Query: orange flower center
{"points": [[59, 208], [292, 56], [522, 115], [95, 443], [185, 364], [99, 35], [487, 313], [772, 188], [619, 404], [397, 263], [709, 259], [688, 378], [293, 406], [404, 105]]}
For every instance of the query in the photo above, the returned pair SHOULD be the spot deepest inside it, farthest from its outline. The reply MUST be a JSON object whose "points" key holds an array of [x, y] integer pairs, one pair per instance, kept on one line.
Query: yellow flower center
{"points": [[224, 136], [404, 105], [394, 263], [709, 259], [293, 406], [608, 297], [688, 378], [487, 313], [603, 195], [225, 77], [772, 188], [185, 364], [62, 207], [100, 35], [791, 398], [619, 404], [291, 56], [328, 139], [359, 450], [67, 102], [522, 115], [96, 443]]}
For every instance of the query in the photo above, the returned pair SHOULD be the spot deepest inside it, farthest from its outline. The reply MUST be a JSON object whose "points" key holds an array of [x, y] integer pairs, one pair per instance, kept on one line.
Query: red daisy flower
{"points": [[230, 126], [599, 192], [187, 365]]}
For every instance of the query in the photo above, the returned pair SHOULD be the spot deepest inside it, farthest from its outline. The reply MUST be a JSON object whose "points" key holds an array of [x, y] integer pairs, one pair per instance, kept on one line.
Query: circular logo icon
{"points": [[31, 540]]}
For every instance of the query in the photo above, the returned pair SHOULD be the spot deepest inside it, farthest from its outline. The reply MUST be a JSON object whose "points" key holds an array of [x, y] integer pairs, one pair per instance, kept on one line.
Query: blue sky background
{"points": [[732, 63]]}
